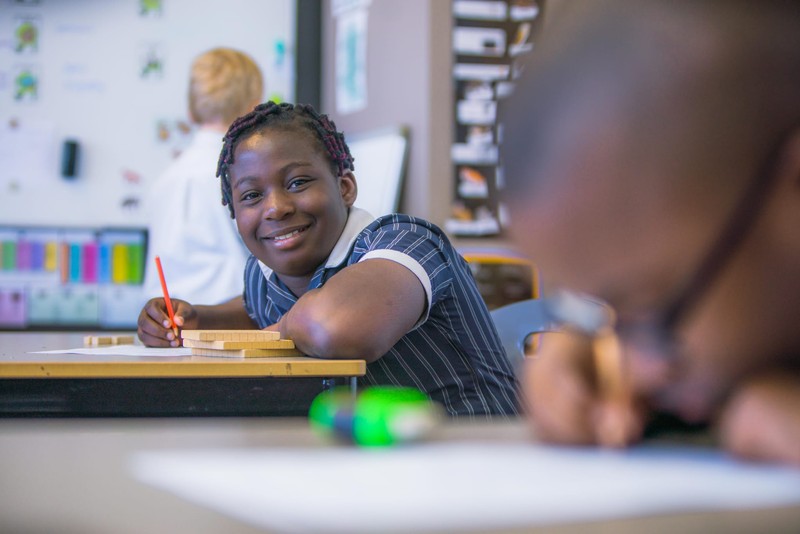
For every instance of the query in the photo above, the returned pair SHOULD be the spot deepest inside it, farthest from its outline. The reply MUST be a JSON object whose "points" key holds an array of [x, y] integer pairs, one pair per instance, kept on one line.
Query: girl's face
{"points": [[290, 208]]}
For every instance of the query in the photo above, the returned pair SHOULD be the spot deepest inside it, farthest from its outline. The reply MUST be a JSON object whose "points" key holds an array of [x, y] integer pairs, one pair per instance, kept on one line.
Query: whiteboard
{"points": [[89, 62], [379, 160]]}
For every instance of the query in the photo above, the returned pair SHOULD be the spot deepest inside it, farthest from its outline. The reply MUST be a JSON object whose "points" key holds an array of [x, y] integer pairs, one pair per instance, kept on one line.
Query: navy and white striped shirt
{"points": [[453, 354]]}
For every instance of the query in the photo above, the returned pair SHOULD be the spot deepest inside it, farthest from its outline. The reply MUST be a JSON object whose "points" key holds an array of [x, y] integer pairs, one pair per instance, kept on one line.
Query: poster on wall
{"points": [[351, 57]]}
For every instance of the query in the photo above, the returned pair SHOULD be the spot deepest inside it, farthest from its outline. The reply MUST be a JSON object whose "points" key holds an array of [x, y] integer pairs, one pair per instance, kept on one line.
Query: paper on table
{"points": [[447, 487], [122, 350]]}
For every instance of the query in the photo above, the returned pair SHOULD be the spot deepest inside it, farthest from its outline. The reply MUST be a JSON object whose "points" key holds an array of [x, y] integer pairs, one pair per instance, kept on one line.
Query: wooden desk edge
{"points": [[205, 367]]}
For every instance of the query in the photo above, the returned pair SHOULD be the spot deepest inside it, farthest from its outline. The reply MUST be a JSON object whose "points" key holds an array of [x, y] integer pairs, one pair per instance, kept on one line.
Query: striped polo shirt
{"points": [[453, 353]]}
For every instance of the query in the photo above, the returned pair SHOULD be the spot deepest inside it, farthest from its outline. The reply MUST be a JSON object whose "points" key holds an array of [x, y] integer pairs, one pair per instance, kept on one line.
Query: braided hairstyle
{"points": [[287, 116]]}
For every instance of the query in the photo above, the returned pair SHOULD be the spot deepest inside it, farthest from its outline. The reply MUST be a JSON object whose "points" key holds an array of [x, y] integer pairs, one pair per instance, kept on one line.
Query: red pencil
{"points": [[167, 301]]}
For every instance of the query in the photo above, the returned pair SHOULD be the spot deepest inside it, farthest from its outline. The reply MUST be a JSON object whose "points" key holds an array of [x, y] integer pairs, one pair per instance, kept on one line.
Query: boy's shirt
{"points": [[453, 354]]}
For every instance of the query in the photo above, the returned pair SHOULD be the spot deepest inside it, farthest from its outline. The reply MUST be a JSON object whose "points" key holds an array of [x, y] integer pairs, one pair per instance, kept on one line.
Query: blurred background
{"points": [[93, 106]]}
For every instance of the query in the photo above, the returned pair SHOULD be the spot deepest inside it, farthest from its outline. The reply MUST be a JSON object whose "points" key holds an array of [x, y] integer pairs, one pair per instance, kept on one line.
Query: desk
{"points": [[96, 385], [74, 476]]}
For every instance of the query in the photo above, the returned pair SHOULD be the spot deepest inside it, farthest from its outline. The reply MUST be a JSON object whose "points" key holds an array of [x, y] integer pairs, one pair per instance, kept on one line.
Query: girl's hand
{"points": [[154, 328]]}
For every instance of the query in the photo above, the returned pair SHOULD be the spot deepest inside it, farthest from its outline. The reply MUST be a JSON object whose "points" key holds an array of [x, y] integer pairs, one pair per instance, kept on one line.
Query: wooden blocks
{"points": [[247, 353], [238, 343], [230, 335], [97, 341]]}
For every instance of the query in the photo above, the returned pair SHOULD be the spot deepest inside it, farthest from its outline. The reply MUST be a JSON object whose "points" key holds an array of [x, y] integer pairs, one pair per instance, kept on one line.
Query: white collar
{"points": [[357, 220]]}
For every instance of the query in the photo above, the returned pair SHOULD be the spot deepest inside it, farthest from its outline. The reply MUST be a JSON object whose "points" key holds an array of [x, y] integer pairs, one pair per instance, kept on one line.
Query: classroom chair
{"points": [[502, 276], [517, 322]]}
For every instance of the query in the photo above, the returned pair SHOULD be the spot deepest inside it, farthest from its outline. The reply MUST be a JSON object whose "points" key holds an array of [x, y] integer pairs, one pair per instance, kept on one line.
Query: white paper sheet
{"points": [[122, 350], [449, 487], [28, 153]]}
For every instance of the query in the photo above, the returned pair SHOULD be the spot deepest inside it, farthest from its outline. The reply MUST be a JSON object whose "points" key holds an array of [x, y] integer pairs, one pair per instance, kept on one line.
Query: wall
{"points": [[408, 83]]}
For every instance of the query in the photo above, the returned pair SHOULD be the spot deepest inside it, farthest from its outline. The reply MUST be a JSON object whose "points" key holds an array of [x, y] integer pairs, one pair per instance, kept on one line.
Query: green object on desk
{"points": [[378, 416]]}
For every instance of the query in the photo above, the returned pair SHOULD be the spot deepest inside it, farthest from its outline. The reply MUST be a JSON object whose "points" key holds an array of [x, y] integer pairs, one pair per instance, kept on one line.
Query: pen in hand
{"points": [[593, 319], [612, 387], [167, 300]]}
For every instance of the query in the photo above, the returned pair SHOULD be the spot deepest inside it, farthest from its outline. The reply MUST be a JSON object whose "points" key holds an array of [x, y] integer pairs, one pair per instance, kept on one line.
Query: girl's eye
{"points": [[249, 195], [297, 183]]}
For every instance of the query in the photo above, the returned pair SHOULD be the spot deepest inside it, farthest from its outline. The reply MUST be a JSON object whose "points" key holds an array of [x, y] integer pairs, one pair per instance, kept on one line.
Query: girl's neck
{"points": [[298, 285]]}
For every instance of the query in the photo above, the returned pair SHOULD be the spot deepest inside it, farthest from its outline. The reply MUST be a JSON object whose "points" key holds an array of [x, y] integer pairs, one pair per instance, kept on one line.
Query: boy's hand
{"points": [[563, 402], [154, 327], [762, 419]]}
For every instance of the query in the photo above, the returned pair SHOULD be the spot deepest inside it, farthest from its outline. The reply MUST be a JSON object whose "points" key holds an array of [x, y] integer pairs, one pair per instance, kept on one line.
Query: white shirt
{"points": [[201, 252]]}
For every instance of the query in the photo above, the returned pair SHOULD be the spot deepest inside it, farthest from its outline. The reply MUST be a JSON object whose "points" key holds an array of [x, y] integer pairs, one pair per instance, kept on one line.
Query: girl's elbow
{"points": [[333, 343], [323, 336]]}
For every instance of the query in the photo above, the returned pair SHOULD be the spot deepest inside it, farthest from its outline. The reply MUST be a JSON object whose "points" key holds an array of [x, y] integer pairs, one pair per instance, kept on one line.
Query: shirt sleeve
{"points": [[415, 244]]}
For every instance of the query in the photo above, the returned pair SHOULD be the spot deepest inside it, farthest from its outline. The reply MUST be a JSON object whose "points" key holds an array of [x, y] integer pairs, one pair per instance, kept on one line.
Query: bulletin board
{"points": [[111, 77]]}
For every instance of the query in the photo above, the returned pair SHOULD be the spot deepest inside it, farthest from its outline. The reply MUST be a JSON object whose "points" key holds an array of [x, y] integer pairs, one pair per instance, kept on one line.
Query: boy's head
{"points": [[286, 175], [223, 85], [635, 136]]}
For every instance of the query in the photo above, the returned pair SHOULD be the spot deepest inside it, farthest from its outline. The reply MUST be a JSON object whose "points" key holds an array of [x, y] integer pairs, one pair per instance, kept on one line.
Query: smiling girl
{"points": [[340, 283]]}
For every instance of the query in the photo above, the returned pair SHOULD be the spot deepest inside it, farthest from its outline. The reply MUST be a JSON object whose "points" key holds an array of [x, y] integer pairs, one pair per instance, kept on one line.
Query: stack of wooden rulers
{"points": [[96, 341], [238, 343]]}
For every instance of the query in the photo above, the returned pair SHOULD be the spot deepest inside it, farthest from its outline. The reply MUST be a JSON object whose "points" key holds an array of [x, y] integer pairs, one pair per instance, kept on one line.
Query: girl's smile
{"points": [[287, 238]]}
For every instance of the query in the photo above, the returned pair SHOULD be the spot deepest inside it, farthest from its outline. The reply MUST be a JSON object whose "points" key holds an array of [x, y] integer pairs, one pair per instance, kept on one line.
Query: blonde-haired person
{"points": [[189, 228], [224, 85]]}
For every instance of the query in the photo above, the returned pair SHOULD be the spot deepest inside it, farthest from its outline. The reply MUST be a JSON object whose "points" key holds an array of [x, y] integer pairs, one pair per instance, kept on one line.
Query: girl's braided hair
{"points": [[285, 115]]}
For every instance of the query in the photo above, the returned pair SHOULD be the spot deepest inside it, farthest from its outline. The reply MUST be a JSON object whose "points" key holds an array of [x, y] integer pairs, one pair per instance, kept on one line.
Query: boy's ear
{"points": [[348, 188]]}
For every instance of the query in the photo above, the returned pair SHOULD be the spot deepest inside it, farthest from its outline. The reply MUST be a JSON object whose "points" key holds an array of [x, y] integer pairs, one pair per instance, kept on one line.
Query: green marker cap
{"points": [[379, 416]]}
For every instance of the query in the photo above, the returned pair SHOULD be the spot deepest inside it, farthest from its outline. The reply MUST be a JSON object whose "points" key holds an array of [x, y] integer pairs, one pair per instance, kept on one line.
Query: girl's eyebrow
{"points": [[244, 180], [283, 170], [293, 165]]}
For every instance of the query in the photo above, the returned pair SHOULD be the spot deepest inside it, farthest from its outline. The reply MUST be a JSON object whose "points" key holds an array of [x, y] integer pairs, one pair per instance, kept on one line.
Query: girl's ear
{"points": [[348, 188]]}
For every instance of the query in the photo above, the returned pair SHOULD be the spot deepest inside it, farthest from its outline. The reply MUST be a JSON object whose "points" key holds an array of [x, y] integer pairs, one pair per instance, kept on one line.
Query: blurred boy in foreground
{"points": [[652, 154]]}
